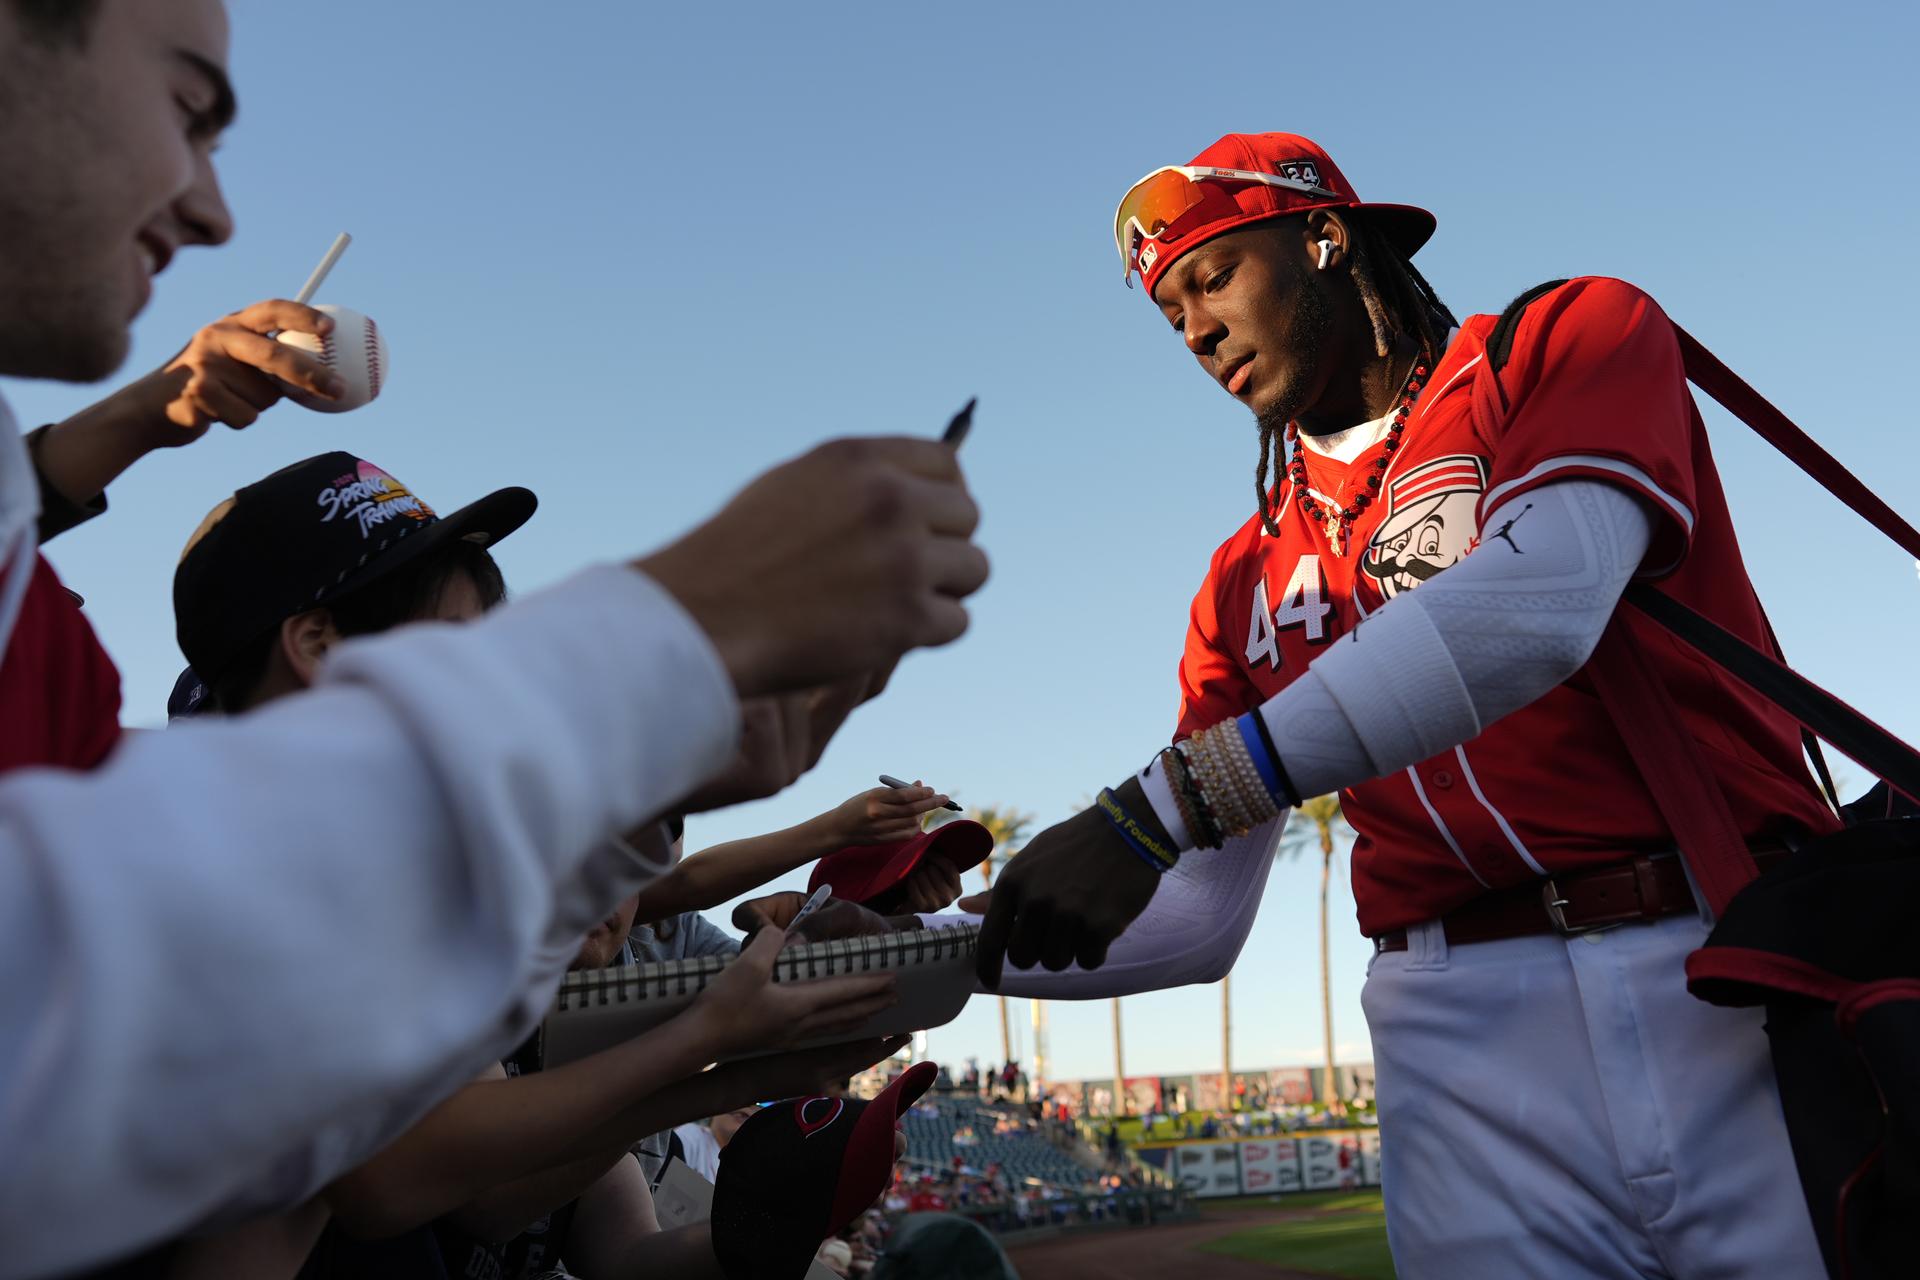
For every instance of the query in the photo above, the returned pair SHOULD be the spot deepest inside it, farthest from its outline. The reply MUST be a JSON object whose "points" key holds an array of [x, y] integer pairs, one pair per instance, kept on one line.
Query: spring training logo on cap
{"points": [[369, 497]]}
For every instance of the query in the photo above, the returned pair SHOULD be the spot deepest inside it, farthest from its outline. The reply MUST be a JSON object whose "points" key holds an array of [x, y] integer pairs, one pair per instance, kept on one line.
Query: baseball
{"points": [[355, 350]]}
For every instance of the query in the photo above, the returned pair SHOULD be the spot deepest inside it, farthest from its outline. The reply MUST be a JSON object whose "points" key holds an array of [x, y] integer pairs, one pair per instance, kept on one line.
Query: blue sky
{"points": [[629, 255]]}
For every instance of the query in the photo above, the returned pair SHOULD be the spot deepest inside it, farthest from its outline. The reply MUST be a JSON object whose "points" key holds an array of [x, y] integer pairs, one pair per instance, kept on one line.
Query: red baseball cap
{"points": [[862, 872], [1228, 206]]}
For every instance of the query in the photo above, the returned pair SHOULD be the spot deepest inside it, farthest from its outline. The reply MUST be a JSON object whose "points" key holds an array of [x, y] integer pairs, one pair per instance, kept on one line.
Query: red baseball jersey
{"points": [[60, 689], [1596, 391]]}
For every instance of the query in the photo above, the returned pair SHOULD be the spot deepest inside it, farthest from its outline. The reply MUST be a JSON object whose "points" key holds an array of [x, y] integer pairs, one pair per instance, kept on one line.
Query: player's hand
{"points": [[232, 372], [976, 903], [1074, 888], [834, 564], [932, 885], [884, 814], [836, 918], [745, 1009]]}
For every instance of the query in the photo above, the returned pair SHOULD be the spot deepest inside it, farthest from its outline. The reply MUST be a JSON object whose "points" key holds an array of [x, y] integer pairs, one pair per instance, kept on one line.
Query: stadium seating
{"points": [[931, 1127]]}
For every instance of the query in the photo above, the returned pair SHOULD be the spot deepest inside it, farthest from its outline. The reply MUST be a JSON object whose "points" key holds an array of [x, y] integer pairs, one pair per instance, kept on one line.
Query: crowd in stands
{"points": [[1279, 1120]]}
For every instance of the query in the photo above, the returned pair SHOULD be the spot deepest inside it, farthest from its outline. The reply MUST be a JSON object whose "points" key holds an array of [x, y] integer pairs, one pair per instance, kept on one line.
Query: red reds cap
{"points": [[799, 1171], [862, 872], [1226, 205]]}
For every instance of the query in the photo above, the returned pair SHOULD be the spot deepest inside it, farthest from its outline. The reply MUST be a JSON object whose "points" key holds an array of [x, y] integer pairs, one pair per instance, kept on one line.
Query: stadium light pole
{"points": [[1122, 1101]]}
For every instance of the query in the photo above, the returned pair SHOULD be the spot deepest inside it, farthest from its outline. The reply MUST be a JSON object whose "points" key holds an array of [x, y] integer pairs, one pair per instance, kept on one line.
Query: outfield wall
{"points": [[1324, 1161]]}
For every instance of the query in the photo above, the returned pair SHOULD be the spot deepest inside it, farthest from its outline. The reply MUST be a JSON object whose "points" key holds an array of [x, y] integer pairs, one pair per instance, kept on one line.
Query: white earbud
{"points": [[1326, 253]]}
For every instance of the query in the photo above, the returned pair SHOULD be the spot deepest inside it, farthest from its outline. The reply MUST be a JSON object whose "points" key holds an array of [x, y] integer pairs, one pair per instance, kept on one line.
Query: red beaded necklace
{"points": [[1339, 521]]}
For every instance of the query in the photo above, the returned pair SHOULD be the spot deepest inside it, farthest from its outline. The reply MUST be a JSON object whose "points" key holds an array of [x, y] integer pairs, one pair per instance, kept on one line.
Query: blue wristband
{"points": [[1262, 762]]}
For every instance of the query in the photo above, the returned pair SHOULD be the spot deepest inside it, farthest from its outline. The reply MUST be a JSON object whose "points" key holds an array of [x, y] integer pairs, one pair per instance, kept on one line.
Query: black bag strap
{"points": [[1838, 723], [1843, 726]]}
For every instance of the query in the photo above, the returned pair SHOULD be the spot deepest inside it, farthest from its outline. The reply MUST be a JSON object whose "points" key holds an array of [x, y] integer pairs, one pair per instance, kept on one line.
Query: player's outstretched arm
{"points": [[1487, 636], [231, 371]]}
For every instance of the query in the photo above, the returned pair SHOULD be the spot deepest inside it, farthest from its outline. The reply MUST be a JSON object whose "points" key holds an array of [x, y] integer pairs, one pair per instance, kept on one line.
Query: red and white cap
{"points": [[863, 872], [1229, 206]]}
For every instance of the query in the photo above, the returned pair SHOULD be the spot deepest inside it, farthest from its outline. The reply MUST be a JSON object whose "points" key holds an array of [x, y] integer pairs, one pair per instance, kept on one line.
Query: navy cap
{"points": [[189, 696], [307, 534]]}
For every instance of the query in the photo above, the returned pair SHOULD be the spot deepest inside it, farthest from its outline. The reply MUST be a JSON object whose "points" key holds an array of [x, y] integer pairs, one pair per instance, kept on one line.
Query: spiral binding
{"points": [[831, 959]]}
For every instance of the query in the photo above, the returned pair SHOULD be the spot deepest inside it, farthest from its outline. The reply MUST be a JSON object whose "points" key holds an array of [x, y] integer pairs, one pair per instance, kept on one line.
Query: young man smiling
{"points": [[1406, 619]]}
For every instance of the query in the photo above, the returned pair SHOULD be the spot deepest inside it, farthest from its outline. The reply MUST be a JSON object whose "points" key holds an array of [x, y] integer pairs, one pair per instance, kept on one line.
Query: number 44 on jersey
{"points": [[1302, 605]]}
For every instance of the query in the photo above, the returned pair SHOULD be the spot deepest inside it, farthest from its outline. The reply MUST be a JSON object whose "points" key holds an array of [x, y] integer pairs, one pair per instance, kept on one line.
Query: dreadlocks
{"points": [[1397, 297], [1399, 301]]}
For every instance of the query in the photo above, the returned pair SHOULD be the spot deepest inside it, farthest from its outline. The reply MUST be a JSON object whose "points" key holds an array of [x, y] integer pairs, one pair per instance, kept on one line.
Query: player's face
{"points": [[1248, 307], [107, 148]]}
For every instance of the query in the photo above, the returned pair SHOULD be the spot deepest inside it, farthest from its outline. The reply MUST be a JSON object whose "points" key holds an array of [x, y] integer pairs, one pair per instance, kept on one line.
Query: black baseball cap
{"points": [[798, 1171], [307, 534]]}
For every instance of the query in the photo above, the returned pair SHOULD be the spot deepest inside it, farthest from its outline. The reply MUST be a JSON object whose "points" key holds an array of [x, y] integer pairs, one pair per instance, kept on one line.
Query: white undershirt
{"points": [[1344, 446]]}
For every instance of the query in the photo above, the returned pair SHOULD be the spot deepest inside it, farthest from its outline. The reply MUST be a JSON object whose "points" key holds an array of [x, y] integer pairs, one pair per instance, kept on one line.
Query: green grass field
{"points": [[1347, 1237]]}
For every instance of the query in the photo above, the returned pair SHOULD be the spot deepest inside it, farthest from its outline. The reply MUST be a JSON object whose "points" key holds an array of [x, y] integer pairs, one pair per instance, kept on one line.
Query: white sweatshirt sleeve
{"points": [[245, 953], [1479, 640]]}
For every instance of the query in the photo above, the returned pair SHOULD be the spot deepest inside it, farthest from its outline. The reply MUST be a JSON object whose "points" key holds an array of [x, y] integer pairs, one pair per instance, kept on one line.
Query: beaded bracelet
{"points": [[1223, 792], [1193, 806], [1230, 782], [1150, 850], [1227, 787], [1286, 790], [1255, 797], [1208, 794], [1172, 768], [1263, 760]]}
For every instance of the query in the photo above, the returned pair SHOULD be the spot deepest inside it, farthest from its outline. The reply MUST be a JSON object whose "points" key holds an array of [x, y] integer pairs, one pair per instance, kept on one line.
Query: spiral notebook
{"points": [[933, 975]]}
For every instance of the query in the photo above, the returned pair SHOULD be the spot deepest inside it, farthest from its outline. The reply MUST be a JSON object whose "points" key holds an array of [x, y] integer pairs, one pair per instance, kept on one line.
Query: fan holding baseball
{"points": [[327, 358]]}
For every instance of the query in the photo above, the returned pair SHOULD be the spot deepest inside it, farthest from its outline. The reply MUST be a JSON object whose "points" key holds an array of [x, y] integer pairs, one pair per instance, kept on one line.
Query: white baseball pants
{"points": [[1562, 1108]]}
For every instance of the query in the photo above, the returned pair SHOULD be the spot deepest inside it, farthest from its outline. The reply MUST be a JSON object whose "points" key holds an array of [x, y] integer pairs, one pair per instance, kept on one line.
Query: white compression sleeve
{"points": [[1483, 638], [1191, 932]]}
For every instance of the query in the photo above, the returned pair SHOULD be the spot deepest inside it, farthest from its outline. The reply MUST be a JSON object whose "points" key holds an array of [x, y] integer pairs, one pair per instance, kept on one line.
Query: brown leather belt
{"points": [[1646, 887]]}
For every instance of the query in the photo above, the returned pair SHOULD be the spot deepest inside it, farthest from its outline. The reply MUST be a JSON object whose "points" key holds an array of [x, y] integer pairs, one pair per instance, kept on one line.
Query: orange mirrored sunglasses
{"points": [[1158, 200]]}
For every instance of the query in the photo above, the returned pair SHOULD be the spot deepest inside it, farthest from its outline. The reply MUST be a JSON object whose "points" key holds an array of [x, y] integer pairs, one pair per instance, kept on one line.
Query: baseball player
{"points": [[1405, 619]]}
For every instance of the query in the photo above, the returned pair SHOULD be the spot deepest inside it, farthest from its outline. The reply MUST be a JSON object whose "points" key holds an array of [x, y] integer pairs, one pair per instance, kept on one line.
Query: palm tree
{"points": [[1324, 813], [1226, 1040], [1008, 827]]}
